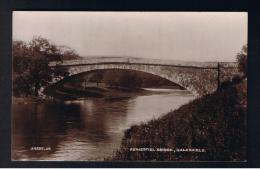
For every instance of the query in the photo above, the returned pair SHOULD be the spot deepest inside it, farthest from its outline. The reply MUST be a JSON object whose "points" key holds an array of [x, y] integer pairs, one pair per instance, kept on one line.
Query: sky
{"points": [[187, 36]]}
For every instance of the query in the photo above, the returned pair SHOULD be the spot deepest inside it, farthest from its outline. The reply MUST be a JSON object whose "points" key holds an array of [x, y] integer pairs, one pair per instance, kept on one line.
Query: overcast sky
{"points": [[198, 36]]}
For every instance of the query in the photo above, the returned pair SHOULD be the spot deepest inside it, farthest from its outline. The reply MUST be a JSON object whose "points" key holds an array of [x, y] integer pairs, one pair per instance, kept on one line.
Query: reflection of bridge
{"points": [[198, 77]]}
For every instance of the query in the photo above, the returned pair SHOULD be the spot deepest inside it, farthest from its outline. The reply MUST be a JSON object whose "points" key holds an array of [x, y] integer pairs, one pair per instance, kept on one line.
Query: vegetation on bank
{"points": [[215, 122]]}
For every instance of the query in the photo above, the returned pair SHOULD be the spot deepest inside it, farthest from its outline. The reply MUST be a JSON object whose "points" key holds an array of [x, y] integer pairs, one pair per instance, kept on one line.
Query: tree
{"points": [[30, 65], [242, 60], [68, 53]]}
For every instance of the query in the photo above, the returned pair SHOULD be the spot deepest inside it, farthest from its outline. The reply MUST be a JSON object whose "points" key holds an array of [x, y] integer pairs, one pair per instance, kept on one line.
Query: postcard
{"points": [[129, 86]]}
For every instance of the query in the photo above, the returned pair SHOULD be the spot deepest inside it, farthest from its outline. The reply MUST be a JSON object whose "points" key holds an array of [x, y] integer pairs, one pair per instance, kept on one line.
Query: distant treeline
{"points": [[30, 64]]}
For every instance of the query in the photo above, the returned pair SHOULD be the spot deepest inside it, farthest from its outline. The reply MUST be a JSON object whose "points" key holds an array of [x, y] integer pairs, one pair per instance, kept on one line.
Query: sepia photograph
{"points": [[129, 86]]}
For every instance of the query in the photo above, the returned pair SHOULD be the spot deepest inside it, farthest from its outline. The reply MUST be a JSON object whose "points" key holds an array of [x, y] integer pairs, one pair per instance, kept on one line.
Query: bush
{"points": [[242, 60]]}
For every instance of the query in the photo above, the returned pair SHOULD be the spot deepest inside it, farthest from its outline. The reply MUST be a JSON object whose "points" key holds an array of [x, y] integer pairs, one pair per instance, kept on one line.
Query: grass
{"points": [[215, 122]]}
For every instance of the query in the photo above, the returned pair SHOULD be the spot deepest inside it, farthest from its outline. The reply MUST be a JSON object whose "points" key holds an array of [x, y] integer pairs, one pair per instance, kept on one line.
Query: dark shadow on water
{"points": [[51, 124]]}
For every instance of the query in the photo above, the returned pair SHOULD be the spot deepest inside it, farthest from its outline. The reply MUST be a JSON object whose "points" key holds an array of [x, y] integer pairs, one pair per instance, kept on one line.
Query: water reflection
{"points": [[83, 129]]}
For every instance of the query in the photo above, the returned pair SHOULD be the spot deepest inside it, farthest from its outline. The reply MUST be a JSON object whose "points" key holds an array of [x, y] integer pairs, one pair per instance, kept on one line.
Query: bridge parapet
{"points": [[132, 60]]}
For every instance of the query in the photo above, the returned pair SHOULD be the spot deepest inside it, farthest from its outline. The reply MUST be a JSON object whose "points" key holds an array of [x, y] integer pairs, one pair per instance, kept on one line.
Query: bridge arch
{"points": [[81, 76], [154, 70]]}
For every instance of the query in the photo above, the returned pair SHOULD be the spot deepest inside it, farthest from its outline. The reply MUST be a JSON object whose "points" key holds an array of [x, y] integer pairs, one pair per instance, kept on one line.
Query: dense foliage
{"points": [[215, 122], [30, 64]]}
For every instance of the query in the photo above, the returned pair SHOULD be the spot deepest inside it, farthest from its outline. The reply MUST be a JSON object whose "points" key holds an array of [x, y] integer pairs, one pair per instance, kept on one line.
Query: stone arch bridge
{"points": [[200, 78]]}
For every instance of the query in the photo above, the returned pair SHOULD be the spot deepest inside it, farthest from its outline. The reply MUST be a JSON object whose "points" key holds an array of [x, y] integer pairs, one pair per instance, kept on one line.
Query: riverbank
{"points": [[214, 126], [28, 99], [62, 93]]}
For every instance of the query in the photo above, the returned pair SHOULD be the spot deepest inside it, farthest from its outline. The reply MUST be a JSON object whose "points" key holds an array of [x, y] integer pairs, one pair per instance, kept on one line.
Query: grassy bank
{"points": [[215, 122]]}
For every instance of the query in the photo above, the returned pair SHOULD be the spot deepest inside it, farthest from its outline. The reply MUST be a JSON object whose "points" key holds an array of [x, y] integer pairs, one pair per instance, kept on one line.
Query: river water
{"points": [[84, 130]]}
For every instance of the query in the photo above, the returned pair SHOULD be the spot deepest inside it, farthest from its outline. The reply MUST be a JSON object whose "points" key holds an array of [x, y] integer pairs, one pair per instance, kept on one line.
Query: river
{"points": [[84, 130]]}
